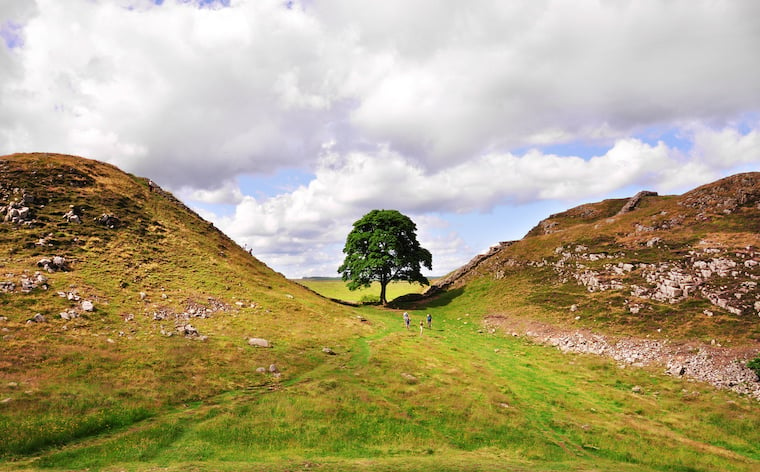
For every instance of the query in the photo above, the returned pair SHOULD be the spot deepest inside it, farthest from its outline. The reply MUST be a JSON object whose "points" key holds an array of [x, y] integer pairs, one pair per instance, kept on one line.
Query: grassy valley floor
{"points": [[456, 397]]}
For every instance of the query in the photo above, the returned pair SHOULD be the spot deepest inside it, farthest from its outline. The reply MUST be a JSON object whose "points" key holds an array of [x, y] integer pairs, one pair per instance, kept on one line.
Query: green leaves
{"points": [[383, 246]]}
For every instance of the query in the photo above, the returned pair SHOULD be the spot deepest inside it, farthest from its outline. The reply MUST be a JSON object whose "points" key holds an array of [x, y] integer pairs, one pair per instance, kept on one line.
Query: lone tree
{"points": [[383, 246]]}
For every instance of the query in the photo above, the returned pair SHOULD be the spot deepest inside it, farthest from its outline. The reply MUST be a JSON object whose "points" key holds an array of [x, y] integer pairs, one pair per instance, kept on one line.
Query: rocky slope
{"points": [[663, 269]]}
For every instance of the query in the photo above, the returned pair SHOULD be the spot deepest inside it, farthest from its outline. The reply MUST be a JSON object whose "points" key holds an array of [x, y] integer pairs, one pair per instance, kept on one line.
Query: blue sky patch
{"points": [[12, 34], [284, 181]]}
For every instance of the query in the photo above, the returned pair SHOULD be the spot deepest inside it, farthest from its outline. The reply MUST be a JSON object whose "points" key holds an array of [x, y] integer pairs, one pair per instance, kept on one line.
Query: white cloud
{"points": [[228, 193], [727, 147], [506, 76], [313, 220], [428, 106], [184, 95], [164, 90]]}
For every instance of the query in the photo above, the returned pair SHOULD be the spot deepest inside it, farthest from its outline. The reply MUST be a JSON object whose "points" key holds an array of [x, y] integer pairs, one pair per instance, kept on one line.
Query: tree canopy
{"points": [[383, 247]]}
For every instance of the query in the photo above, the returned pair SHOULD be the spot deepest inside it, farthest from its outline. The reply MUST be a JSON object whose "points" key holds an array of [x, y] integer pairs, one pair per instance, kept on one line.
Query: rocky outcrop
{"points": [[728, 279], [725, 196]]}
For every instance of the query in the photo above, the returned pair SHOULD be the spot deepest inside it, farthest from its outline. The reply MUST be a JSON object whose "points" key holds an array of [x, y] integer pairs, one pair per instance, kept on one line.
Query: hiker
{"points": [[407, 320], [429, 321], [422, 326]]}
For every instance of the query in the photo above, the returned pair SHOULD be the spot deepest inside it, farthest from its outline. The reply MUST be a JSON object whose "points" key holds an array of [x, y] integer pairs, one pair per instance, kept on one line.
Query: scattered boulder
{"points": [[72, 216], [55, 264], [16, 213], [328, 351], [108, 220], [676, 369], [69, 315], [653, 242], [273, 369], [259, 342], [27, 285], [411, 379], [38, 318], [88, 306], [188, 330]]}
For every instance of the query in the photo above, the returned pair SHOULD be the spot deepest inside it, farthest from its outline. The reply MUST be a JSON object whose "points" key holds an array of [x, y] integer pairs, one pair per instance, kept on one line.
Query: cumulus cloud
{"points": [[228, 193], [169, 90], [430, 107], [496, 75], [314, 219], [162, 90]]}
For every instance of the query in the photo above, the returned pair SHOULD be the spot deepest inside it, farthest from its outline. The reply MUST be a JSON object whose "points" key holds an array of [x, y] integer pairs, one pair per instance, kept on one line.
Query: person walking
{"points": [[429, 321], [407, 320], [422, 326]]}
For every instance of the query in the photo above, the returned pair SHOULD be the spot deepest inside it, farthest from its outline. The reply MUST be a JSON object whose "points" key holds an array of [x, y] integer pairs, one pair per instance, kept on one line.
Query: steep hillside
{"points": [[678, 269], [116, 299]]}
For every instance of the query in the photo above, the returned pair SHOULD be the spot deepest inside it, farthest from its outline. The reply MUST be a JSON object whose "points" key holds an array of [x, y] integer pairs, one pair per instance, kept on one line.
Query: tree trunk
{"points": [[382, 293]]}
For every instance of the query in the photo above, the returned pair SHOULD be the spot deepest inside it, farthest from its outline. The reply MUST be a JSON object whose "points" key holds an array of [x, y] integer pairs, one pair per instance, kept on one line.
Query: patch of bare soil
{"points": [[720, 366]]}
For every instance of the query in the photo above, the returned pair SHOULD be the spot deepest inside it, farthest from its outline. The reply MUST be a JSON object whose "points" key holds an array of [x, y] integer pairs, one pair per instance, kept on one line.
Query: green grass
{"points": [[455, 398]]}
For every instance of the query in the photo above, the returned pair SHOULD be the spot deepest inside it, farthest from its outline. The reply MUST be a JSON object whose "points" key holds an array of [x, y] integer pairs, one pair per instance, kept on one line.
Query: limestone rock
{"points": [[259, 342]]}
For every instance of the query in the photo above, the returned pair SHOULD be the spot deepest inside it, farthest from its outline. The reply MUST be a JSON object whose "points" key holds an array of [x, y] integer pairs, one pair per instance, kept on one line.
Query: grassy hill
{"points": [[128, 386], [158, 270], [687, 265]]}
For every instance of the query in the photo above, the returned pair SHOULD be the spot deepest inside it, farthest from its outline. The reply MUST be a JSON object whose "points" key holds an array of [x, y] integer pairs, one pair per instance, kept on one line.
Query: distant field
{"points": [[336, 288]]}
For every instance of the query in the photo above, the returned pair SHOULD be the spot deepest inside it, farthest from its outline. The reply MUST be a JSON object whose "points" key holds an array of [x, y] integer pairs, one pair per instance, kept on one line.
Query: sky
{"points": [[283, 122]]}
